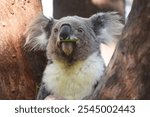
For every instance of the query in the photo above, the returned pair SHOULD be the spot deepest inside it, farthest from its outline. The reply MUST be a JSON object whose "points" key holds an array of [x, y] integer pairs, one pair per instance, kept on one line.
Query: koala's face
{"points": [[73, 38]]}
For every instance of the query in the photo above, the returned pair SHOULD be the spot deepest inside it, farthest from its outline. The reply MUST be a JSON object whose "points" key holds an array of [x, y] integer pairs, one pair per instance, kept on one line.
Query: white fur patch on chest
{"points": [[76, 81]]}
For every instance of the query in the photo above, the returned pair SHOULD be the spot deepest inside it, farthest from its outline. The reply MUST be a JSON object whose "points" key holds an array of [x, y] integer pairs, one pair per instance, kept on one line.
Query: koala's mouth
{"points": [[68, 45]]}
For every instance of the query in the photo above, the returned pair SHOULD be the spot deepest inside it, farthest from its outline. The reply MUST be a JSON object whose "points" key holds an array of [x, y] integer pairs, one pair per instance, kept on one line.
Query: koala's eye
{"points": [[55, 30], [80, 30]]}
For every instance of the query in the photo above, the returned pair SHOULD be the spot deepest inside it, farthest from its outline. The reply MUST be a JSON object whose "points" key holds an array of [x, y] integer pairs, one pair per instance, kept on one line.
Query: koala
{"points": [[72, 44]]}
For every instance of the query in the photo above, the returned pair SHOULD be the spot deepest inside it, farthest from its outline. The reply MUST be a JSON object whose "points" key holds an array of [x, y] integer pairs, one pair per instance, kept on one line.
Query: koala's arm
{"points": [[42, 93]]}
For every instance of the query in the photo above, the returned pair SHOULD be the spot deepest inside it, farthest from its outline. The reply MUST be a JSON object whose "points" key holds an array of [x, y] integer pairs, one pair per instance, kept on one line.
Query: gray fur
{"points": [[108, 26], [45, 34], [41, 26], [42, 92]]}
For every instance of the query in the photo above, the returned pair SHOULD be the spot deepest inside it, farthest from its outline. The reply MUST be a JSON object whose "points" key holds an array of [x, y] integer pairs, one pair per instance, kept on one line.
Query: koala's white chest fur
{"points": [[74, 82]]}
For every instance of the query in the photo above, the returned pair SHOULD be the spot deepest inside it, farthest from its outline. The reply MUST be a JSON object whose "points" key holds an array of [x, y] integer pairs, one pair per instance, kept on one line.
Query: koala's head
{"points": [[73, 38]]}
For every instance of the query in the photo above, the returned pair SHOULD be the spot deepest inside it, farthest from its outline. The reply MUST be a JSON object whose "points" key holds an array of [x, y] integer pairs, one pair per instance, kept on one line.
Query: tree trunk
{"points": [[86, 8], [128, 73], [19, 71]]}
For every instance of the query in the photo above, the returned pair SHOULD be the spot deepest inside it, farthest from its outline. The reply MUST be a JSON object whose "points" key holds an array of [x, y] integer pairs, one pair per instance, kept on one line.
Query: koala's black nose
{"points": [[65, 31]]}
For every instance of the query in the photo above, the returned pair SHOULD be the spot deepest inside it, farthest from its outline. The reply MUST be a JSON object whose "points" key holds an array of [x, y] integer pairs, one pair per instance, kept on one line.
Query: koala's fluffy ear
{"points": [[107, 26], [38, 32]]}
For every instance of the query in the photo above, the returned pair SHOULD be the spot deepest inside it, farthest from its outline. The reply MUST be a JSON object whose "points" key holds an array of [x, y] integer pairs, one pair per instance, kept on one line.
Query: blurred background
{"points": [[48, 6], [85, 8]]}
